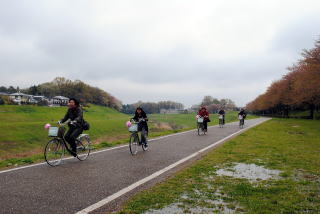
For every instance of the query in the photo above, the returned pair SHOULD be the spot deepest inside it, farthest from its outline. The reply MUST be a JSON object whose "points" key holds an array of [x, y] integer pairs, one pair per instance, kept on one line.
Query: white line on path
{"points": [[156, 174]]}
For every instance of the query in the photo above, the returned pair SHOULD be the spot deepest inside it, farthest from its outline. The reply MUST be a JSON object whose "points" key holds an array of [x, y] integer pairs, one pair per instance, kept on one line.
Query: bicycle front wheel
{"points": [[134, 143], [221, 123], [53, 153], [83, 148]]}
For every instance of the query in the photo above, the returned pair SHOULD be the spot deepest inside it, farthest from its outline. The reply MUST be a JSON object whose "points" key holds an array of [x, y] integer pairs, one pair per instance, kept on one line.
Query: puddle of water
{"points": [[171, 209], [251, 172], [219, 206]]}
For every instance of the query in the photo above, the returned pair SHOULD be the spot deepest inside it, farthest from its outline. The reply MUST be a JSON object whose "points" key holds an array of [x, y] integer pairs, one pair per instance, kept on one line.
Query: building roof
{"points": [[20, 94], [3, 93], [61, 98]]}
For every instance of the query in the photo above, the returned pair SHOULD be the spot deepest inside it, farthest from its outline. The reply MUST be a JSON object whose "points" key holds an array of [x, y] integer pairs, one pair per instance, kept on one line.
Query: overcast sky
{"points": [[156, 50]]}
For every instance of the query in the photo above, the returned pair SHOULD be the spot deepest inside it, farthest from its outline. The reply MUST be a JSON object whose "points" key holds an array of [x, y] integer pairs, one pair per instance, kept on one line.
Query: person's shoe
{"points": [[145, 145], [73, 153]]}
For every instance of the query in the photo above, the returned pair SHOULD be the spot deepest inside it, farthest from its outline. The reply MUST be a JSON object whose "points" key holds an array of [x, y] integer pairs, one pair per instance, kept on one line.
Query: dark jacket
{"points": [[142, 124], [137, 116], [243, 114], [75, 115], [222, 112]]}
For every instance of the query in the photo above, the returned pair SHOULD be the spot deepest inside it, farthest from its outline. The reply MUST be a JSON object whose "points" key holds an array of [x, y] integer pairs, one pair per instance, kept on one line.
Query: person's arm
{"points": [[135, 117], [65, 118], [79, 117], [144, 116]]}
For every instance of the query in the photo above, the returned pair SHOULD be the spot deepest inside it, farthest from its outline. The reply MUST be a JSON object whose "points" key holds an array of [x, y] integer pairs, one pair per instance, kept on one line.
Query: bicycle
{"points": [[136, 141], [241, 121], [200, 126], [56, 147], [221, 122]]}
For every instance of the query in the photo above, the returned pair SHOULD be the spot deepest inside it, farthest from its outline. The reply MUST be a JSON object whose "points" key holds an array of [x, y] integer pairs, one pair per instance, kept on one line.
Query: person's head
{"points": [[139, 110], [203, 108], [73, 103]]}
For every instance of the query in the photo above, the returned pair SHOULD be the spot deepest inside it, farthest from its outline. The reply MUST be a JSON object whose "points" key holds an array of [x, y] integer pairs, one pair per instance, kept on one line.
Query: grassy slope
{"points": [[22, 126], [292, 146], [22, 136]]}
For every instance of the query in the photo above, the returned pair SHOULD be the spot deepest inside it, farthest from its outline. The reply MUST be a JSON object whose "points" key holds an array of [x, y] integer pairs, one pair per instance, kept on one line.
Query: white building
{"points": [[60, 100]]}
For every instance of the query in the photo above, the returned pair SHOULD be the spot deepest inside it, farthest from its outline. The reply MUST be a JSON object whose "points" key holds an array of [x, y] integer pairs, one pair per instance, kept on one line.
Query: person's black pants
{"points": [[71, 137], [143, 128], [205, 124]]}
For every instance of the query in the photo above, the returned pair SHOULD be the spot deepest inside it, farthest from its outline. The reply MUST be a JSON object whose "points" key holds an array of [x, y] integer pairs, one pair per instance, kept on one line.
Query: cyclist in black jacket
{"points": [[141, 117], [75, 115], [223, 113]]}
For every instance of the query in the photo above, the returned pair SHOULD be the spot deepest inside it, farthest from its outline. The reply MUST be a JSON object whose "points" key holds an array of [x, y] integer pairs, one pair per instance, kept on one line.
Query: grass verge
{"points": [[23, 138], [290, 146]]}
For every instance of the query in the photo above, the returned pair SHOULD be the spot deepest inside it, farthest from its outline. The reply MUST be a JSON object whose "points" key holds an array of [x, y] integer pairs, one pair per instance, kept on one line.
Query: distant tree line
{"points": [[213, 105], [297, 90], [152, 107], [61, 86], [9, 90]]}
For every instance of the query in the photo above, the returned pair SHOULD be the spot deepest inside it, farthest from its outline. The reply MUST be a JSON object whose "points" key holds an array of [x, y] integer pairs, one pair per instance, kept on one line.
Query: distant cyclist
{"points": [[74, 114], [243, 115], [141, 117], [223, 114], [205, 115]]}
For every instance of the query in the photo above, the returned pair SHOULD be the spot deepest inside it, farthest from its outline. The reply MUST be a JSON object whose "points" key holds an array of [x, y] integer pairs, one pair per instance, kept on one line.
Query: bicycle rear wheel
{"points": [[53, 152], [83, 148], [134, 143], [241, 123], [145, 144]]}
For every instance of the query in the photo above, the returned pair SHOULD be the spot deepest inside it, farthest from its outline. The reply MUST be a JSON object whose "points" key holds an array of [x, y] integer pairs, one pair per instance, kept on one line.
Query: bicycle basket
{"points": [[56, 131], [200, 120], [220, 116], [133, 128], [53, 131], [240, 117]]}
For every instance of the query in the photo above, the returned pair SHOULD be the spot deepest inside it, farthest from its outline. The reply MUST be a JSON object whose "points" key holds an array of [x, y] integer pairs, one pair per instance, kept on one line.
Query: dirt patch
{"points": [[162, 126], [21, 154], [252, 172]]}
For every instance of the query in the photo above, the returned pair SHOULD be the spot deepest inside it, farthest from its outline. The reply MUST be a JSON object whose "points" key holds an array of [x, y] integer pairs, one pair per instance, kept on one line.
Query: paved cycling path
{"points": [[74, 185]]}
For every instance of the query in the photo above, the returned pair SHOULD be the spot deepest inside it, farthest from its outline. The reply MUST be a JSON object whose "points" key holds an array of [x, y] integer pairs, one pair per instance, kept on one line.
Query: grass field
{"points": [[288, 148], [22, 136]]}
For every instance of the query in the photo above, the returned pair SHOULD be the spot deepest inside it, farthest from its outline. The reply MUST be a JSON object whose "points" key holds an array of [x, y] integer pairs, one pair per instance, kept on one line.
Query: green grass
{"points": [[289, 145], [22, 136], [303, 114]]}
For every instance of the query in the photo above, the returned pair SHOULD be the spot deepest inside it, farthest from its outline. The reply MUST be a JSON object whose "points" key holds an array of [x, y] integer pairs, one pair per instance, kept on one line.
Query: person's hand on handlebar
{"points": [[73, 123]]}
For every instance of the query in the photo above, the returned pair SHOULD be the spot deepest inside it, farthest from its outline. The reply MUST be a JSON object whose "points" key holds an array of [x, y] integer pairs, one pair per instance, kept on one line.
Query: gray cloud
{"points": [[168, 50]]}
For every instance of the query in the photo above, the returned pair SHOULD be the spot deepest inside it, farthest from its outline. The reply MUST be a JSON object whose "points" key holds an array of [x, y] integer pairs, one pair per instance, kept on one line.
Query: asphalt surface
{"points": [[75, 185]]}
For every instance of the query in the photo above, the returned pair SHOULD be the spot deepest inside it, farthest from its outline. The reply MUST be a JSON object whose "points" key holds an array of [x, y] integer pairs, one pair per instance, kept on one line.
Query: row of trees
{"points": [[68, 88], [152, 107], [9, 90], [299, 89], [213, 105]]}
